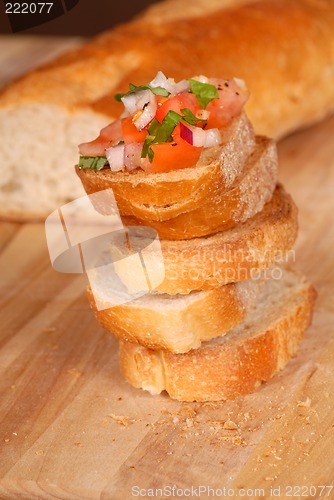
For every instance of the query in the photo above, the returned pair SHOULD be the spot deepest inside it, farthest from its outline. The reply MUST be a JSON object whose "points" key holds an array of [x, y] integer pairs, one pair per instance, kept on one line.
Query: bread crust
{"points": [[238, 254], [220, 210], [178, 324], [235, 365]]}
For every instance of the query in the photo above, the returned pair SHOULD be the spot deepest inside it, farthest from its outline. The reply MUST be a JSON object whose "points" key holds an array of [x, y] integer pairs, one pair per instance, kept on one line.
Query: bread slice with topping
{"points": [[229, 184], [236, 363], [177, 323], [139, 193]]}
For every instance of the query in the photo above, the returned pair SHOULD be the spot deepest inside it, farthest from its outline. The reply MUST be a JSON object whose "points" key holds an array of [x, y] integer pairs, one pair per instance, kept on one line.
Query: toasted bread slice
{"points": [[141, 194], [236, 363], [175, 322], [220, 210], [238, 254]]}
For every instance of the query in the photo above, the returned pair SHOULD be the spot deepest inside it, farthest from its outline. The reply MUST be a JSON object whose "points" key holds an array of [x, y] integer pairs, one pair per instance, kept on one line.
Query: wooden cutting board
{"points": [[71, 428]]}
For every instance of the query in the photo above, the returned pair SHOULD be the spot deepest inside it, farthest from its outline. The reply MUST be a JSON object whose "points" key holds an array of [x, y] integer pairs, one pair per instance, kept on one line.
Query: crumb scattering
{"points": [[304, 404], [230, 425], [121, 419]]}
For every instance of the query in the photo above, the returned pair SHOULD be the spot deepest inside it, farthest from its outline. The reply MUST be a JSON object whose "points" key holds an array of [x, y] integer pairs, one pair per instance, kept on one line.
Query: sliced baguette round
{"points": [[238, 254], [177, 323], [220, 210], [236, 363]]}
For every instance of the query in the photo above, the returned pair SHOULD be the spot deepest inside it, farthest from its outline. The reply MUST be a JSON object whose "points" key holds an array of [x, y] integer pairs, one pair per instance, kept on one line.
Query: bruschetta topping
{"points": [[165, 125]]}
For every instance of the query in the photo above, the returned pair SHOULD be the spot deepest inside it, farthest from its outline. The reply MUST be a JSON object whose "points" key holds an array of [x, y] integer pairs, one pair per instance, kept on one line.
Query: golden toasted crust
{"points": [[238, 254], [178, 324], [220, 210], [229, 366]]}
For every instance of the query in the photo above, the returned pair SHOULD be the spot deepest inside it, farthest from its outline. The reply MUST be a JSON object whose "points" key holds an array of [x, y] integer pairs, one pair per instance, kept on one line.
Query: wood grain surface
{"points": [[72, 428]]}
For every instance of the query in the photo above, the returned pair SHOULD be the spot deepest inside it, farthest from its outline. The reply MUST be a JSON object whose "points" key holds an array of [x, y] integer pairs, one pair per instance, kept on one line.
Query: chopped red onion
{"points": [[212, 137], [182, 86], [147, 114], [169, 84], [132, 155], [162, 81], [199, 137], [115, 156], [186, 133], [203, 114], [136, 101]]}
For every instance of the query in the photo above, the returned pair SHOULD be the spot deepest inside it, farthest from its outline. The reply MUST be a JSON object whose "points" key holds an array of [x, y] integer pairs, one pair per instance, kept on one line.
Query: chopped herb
{"points": [[135, 88], [92, 162], [147, 150], [150, 154], [189, 117], [153, 127], [164, 132], [160, 132], [204, 92]]}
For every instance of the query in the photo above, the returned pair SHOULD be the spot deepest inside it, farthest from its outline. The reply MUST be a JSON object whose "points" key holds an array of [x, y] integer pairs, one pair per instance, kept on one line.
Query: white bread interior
{"points": [[177, 323]]}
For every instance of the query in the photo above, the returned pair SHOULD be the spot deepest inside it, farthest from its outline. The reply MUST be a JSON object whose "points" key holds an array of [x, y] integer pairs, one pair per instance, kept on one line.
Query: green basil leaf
{"points": [[150, 154], [134, 88], [92, 162], [160, 132], [153, 127], [204, 92], [164, 132], [147, 143], [189, 117]]}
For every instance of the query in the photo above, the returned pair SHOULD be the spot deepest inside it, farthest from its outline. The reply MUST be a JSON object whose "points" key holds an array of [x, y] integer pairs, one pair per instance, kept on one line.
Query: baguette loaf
{"points": [[177, 323], [238, 254], [283, 49], [236, 363]]}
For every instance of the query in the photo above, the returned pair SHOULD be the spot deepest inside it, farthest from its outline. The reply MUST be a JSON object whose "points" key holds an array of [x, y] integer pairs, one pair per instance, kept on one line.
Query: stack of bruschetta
{"points": [[183, 159]]}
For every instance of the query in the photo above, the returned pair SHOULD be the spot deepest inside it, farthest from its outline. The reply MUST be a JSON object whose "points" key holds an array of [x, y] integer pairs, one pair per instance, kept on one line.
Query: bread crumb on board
{"points": [[304, 404], [121, 419]]}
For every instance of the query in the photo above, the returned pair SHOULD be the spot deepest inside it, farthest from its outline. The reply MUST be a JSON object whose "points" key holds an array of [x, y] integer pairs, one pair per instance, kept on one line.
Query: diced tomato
{"points": [[109, 135], [131, 133], [176, 103], [172, 155], [232, 98]]}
